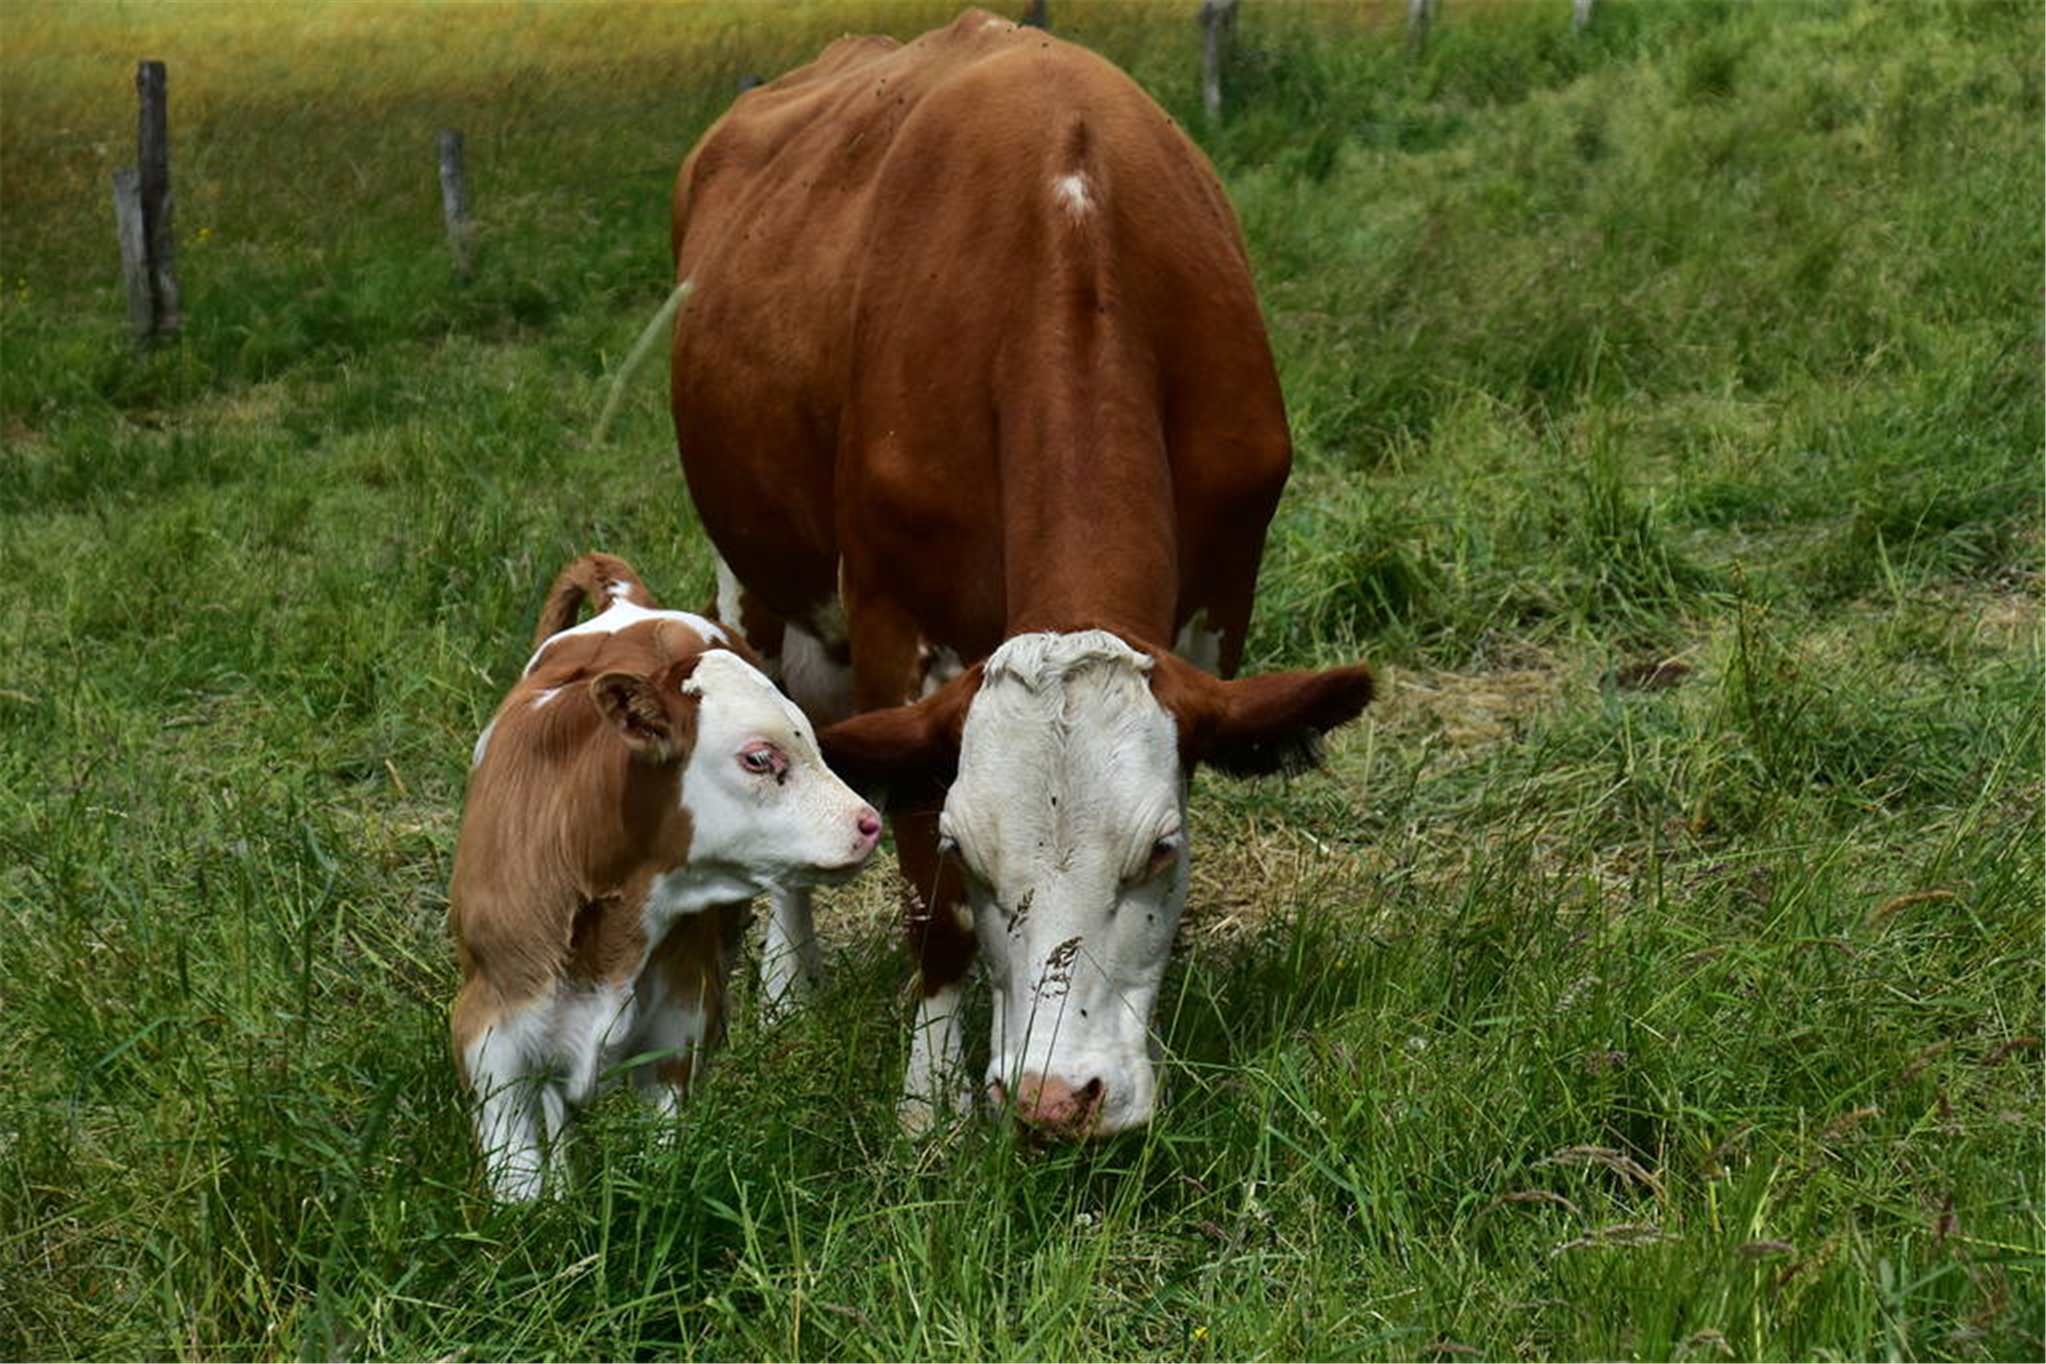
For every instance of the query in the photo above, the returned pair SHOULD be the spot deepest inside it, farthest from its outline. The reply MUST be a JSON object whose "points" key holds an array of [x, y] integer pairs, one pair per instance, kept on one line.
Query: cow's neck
{"points": [[1088, 523], [1088, 533]]}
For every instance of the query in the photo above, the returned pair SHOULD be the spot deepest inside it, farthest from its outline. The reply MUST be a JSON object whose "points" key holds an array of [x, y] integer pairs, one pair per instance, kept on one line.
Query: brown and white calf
{"points": [[641, 783], [974, 374]]}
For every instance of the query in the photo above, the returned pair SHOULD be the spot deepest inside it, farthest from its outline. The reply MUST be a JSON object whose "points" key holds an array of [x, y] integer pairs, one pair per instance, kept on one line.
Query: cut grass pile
{"points": [[1656, 972]]}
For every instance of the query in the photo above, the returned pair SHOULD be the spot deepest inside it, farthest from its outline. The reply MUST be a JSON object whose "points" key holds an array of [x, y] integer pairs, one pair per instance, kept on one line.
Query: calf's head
{"points": [[1068, 756], [761, 802], [700, 721]]}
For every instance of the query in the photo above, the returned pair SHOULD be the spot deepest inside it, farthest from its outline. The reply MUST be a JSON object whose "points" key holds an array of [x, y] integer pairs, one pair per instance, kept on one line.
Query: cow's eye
{"points": [[1163, 853], [763, 759]]}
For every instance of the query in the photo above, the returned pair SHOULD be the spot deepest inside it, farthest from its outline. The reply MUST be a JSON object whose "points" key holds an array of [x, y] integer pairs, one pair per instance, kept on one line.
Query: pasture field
{"points": [[1654, 973]]}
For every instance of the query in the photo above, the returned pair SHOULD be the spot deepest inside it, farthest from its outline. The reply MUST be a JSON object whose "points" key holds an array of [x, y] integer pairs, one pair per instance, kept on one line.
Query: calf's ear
{"points": [[910, 748], [651, 724], [1273, 722]]}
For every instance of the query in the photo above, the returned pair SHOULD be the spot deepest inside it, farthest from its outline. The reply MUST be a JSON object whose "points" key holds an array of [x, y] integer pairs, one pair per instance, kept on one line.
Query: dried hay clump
{"points": [[1471, 710]]}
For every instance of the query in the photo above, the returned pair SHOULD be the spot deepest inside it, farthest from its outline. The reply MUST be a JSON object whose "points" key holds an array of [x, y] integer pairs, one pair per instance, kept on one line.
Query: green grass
{"points": [[1656, 973]]}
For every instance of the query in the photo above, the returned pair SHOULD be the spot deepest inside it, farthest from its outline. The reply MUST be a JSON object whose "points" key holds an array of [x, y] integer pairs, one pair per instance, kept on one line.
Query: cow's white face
{"points": [[1068, 817], [760, 799], [1066, 756]]}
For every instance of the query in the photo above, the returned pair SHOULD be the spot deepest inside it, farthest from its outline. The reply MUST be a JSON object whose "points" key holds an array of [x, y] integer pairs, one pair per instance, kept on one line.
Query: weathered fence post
{"points": [[142, 215], [134, 253], [454, 200], [1218, 35], [1419, 14], [1580, 15], [1036, 14]]}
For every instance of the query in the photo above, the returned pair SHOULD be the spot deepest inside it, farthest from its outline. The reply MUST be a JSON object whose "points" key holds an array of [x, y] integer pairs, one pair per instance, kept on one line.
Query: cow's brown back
{"points": [[973, 317]]}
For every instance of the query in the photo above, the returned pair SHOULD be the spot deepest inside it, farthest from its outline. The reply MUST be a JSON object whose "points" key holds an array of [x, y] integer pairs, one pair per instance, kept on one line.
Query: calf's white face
{"points": [[1068, 817], [761, 801]]}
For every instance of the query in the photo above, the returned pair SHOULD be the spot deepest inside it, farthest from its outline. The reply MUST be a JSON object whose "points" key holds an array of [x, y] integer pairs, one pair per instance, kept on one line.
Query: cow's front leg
{"points": [[936, 1085]]}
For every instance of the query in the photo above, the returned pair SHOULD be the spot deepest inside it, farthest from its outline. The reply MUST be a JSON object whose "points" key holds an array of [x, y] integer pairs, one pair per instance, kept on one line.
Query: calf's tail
{"points": [[598, 578]]}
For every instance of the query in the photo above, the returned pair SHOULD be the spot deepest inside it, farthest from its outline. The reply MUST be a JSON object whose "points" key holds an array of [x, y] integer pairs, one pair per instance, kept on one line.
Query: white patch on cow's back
{"points": [[540, 701], [622, 613], [1073, 193], [621, 589]]}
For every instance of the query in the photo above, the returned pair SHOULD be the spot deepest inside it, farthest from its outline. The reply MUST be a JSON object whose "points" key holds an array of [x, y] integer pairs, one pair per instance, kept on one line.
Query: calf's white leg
{"points": [[792, 960], [513, 1095]]}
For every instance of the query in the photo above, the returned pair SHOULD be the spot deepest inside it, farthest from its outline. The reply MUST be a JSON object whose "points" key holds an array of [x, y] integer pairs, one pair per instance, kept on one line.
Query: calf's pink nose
{"points": [[870, 826]]}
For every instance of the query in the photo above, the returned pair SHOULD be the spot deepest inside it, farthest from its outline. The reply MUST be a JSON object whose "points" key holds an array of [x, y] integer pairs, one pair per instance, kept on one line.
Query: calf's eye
{"points": [[763, 759]]}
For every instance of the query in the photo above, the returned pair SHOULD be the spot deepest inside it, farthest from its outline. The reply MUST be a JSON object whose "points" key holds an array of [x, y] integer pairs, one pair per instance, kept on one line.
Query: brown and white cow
{"points": [[641, 783], [974, 370]]}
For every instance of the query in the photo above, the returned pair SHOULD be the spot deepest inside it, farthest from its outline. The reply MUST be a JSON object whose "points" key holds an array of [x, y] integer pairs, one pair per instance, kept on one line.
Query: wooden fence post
{"points": [[1218, 35], [454, 200], [1419, 15], [134, 254], [153, 196]]}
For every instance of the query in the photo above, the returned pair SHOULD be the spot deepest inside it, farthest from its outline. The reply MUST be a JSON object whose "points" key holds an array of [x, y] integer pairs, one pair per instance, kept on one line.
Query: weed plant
{"points": [[1655, 972]]}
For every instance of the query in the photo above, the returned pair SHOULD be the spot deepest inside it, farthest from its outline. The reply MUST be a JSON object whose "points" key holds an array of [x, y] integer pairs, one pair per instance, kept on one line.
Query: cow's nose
{"points": [[1059, 1107], [870, 827]]}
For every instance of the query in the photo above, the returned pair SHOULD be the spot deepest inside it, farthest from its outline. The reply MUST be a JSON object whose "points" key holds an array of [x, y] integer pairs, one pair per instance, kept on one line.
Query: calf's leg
{"points": [[791, 960], [682, 994], [504, 1059]]}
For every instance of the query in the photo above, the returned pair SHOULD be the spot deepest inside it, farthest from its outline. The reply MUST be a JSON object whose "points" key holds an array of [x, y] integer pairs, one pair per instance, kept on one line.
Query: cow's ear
{"points": [[1255, 725], [656, 727], [903, 748]]}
